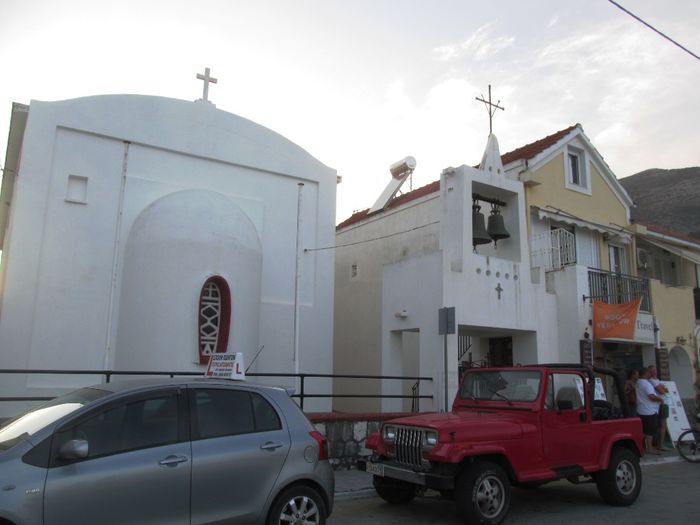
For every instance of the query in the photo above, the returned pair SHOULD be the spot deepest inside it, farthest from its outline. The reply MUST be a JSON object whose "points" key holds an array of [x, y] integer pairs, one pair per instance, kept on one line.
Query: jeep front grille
{"points": [[409, 446]]}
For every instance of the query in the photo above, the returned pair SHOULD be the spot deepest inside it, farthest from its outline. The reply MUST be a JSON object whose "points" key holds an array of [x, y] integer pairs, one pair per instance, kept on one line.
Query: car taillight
{"points": [[322, 444]]}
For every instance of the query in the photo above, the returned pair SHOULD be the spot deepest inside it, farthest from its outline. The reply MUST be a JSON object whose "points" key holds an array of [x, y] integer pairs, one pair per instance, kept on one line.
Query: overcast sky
{"points": [[363, 83]]}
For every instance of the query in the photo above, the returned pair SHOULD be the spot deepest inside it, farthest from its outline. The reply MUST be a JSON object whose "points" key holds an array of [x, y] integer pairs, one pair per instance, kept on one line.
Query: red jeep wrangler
{"points": [[521, 426]]}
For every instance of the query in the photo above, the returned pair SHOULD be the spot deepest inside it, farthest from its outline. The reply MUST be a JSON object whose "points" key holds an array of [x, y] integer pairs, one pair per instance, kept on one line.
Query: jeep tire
{"points": [[394, 491], [483, 493], [621, 482]]}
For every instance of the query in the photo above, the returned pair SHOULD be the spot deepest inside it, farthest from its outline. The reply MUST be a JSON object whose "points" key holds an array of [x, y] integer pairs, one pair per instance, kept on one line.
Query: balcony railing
{"points": [[554, 249], [617, 288]]}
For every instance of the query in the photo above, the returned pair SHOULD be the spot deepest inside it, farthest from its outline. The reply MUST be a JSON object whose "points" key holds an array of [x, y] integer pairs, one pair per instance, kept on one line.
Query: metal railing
{"points": [[617, 288], [464, 344], [553, 249], [107, 375]]}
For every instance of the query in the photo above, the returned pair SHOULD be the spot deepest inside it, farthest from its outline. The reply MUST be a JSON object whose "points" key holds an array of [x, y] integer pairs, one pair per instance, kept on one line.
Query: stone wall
{"points": [[346, 434]]}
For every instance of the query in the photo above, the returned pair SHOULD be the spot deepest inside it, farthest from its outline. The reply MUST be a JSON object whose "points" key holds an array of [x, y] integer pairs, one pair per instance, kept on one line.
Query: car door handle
{"points": [[172, 461], [271, 445]]}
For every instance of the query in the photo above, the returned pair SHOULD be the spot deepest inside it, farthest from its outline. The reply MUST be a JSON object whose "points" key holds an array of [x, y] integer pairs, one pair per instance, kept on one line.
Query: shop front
{"points": [[625, 354]]}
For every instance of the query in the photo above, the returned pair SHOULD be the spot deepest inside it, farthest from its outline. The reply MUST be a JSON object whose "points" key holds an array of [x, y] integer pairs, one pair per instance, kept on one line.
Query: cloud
{"points": [[480, 45]]}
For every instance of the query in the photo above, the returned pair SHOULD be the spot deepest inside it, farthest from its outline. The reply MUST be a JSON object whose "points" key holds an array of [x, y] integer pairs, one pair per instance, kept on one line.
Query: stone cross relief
{"points": [[499, 290]]}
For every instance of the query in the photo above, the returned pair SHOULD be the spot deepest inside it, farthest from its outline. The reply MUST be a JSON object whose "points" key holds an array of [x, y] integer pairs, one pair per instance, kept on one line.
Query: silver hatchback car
{"points": [[165, 452]]}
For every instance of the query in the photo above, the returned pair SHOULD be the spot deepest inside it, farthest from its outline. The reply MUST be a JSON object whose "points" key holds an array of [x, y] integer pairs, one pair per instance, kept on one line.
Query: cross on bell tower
{"points": [[207, 78], [491, 108]]}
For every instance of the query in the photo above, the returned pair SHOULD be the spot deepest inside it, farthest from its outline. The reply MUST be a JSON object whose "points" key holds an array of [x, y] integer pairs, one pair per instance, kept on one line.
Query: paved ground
{"points": [[670, 494]]}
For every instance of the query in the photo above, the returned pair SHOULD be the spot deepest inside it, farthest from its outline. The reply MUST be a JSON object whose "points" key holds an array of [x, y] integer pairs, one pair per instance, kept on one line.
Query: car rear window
{"points": [[225, 412]]}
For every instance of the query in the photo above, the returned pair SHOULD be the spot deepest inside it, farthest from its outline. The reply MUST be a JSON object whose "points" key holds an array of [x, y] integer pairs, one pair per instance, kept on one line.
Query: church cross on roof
{"points": [[207, 78], [491, 108]]}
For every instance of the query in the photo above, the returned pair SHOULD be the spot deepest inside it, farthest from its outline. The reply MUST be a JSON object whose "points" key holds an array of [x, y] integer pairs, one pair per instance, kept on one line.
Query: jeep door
{"points": [[566, 429]]}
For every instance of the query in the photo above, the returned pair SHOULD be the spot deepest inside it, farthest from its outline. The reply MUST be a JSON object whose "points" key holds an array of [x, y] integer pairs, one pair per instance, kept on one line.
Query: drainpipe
{"points": [[109, 351], [297, 265]]}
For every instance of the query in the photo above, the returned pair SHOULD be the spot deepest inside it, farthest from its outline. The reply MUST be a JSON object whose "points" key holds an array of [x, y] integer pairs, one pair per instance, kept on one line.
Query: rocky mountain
{"points": [[669, 199]]}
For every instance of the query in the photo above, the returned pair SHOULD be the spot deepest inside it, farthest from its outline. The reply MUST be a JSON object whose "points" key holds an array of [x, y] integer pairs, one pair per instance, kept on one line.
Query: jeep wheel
{"points": [[620, 484], [483, 493], [394, 491]]}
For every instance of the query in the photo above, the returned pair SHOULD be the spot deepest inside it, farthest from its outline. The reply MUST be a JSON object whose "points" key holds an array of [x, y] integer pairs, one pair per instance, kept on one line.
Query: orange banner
{"points": [[615, 321]]}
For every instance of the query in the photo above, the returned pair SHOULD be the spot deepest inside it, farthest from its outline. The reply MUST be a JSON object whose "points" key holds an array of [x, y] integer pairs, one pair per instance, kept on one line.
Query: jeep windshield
{"points": [[501, 385]]}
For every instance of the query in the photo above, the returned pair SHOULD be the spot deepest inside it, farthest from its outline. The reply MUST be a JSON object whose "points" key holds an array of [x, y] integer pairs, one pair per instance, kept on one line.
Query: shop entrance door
{"points": [[501, 351]]}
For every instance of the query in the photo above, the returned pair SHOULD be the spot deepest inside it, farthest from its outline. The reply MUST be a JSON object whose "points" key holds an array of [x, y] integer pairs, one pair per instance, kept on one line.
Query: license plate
{"points": [[375, 468]]}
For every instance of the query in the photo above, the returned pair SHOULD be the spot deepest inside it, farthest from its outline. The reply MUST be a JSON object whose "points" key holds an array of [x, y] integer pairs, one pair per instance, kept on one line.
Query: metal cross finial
{"points": [[207, 79], [491, 108]]}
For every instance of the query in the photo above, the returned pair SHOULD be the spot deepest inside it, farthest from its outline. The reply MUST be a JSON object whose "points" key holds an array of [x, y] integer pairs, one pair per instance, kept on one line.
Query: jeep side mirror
{"points": [[74, 449]]}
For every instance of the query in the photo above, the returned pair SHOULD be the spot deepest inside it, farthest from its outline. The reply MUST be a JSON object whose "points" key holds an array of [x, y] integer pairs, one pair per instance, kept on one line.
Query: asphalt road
{"points": [[670, 494]]}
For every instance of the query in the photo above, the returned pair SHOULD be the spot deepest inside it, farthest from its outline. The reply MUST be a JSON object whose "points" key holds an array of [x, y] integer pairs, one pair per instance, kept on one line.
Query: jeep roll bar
{"points": [[590, 371]]}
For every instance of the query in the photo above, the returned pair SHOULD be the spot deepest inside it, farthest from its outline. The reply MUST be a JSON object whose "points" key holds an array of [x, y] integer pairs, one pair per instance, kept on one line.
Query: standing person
{"points": [[647, 408], [661, 390], [631, 391]]}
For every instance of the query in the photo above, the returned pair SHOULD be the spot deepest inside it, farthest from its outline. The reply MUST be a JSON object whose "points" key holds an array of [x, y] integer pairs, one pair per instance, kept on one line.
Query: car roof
{"points": [[125, 385]]}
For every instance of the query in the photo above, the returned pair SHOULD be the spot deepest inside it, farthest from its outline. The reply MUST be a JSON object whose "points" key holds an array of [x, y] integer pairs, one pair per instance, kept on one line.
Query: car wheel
{"points": [[621, 482], [483, 493], [297, 505], [394, 491]]}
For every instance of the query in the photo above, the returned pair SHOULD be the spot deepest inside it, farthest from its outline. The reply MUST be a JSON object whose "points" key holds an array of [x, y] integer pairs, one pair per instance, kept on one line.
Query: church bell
{"points": [[479, 233], [496, 228]]}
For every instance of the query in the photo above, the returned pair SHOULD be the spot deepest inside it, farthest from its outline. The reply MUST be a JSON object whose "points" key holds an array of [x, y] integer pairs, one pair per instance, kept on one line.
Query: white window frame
{"points": [[584, 183], [612, 247]]}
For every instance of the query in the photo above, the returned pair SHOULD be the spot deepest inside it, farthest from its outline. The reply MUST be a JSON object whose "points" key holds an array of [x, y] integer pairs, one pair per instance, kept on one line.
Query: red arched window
{"points": [[214, 315]]}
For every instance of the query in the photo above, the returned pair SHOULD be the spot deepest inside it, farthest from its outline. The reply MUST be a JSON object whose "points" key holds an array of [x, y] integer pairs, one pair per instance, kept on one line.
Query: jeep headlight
{"points": [[389, 433], [430, 439]]}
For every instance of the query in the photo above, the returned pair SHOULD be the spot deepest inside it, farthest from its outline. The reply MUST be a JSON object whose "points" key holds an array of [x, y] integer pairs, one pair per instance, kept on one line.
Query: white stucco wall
{"points": [[63, 260], [358, 302], [492, 291], [163, 265], [573, 313], [420, 301]]}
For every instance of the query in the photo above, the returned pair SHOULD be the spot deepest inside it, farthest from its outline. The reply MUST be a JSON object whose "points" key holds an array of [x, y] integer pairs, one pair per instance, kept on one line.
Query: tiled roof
{"points": [[523, 153], [669, 233], [394, 203], [532, 150]]}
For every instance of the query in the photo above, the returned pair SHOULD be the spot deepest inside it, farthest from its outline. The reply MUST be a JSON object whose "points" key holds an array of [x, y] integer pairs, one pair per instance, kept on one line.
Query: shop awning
{"points": [[617, 235], [693, 257]]}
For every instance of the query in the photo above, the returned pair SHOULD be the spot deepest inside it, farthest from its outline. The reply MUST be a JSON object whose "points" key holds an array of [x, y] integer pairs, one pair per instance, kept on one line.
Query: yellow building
{"points": [[572, 192]]}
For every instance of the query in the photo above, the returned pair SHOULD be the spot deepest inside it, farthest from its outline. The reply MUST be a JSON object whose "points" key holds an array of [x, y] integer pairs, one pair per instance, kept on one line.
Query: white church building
{"points": [[425, 260], [145, 233]]}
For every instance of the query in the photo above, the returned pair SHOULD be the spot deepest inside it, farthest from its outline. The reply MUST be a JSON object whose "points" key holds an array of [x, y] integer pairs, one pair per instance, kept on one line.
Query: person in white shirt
{"points": [[648, 409], [661, 391]]}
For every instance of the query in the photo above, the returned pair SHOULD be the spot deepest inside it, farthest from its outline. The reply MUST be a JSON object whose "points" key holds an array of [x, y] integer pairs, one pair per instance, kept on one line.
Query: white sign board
{"points": [[226, 366], [677, 421], [599, 389], [644, 329]]}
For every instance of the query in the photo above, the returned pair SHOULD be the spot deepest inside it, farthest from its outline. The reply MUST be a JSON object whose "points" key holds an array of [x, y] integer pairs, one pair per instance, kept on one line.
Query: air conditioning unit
{"points": [[643, 258]]}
